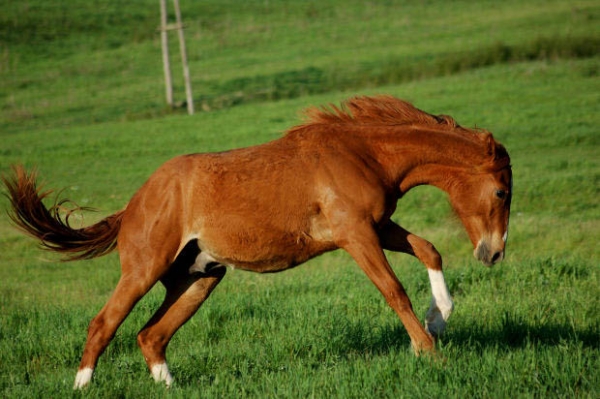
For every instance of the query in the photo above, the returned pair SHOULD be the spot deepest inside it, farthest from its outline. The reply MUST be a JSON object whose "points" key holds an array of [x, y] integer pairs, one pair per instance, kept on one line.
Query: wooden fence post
{"points": [[186, 69], [164, 29], [164, 38]]}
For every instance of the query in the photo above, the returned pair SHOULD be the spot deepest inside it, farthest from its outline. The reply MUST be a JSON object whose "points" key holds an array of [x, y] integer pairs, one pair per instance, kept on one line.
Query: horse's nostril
{"points": [[497, 256]]}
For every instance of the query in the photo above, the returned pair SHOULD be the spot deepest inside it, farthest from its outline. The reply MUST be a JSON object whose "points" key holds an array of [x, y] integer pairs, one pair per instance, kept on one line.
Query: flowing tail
{"points": [[46, 224]]}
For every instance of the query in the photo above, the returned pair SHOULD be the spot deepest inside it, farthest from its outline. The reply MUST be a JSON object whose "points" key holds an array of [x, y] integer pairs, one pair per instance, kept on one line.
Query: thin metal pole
{"points": [[165, 52], [186, 70]]}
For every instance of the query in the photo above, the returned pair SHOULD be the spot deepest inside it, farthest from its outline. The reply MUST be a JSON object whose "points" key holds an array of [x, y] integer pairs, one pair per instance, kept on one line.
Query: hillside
{"points": [[72, 63]]}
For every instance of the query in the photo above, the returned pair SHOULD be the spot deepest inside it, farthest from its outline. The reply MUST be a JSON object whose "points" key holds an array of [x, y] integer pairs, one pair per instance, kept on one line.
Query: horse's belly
{"points": [[261, 250]]}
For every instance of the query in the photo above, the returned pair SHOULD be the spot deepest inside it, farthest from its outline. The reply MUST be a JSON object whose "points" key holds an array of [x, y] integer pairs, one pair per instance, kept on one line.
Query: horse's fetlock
{"points": [[145, 339], [152, 345]]}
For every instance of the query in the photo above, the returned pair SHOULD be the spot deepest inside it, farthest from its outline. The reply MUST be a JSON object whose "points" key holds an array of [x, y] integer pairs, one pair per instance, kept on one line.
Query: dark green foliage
{"points": [[312, 80]]}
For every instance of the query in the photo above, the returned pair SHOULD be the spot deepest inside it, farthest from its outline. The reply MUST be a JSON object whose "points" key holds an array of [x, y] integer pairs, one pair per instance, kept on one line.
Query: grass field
{"points": [[82, 100]]}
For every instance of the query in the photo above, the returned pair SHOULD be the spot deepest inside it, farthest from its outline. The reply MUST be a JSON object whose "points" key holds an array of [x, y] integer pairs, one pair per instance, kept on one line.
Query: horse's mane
{"points": [[378, 110], [385, 110]]}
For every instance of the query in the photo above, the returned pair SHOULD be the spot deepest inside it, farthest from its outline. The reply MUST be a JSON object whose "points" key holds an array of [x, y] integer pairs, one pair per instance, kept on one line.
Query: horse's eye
{"points": [[501, 194]]}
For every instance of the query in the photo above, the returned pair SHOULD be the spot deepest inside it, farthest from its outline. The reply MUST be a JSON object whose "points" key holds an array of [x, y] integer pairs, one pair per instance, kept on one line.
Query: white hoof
{"points": [[160, 373], [436, 318], [434, 322], [83, 377]]}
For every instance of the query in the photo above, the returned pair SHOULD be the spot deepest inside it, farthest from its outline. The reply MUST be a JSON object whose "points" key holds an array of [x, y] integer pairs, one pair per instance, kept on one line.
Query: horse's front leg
{"points": [[363, 245], [395, 238]]}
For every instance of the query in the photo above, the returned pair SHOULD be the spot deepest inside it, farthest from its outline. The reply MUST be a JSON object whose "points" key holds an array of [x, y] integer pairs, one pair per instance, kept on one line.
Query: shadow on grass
{"points": [[511, 333], [516, 332]]}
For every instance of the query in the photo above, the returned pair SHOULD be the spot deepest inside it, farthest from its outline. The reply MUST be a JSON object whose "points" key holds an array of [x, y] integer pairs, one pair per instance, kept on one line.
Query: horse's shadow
{"points": [[512, 333]]}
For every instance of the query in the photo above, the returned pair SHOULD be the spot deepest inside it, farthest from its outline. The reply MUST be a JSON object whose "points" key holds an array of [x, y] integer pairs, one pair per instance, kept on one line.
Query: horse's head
{"points": [[482, 201]]}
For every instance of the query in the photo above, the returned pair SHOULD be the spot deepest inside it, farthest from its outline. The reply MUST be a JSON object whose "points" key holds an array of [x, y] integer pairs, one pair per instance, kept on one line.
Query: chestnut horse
{"points": [[332, 182]]}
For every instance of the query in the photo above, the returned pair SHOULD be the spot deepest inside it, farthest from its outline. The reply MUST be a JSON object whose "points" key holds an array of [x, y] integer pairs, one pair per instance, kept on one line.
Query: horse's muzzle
{"points": [[486, 255]]}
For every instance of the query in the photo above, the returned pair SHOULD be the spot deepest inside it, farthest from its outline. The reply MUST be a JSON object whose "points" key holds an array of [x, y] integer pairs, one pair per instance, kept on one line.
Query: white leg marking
{"points": [[83, 377], [441, 304], [160, 372]]}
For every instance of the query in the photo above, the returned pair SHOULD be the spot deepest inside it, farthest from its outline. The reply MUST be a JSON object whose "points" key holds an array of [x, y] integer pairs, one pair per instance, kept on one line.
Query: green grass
{"points": [[529, 327]]}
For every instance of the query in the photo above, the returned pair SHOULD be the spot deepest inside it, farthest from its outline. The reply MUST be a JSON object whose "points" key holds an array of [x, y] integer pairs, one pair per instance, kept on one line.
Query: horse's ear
{"points": [[490, 145]]}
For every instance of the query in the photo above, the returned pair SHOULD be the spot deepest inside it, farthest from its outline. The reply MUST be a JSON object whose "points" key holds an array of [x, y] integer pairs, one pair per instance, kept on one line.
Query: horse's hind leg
{"points": [[102, 328], [186, 291], [141, 267]]}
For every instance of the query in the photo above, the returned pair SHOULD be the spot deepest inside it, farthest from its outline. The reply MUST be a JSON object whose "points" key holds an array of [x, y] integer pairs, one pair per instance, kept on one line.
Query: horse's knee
{"points": [[426, 253]]}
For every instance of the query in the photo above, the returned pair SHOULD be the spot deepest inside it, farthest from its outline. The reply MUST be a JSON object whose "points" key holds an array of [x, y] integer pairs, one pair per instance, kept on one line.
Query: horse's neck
{"points": [[432, 158]]}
